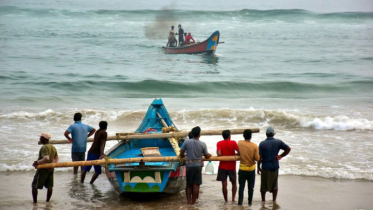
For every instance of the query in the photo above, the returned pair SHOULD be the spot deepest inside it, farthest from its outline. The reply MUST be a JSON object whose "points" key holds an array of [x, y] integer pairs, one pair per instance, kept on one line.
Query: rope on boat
{"points": [[106, 163]]}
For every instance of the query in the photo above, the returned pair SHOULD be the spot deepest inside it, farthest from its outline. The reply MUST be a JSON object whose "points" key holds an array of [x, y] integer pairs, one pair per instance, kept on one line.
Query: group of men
{"points": [[266, 156], [48, 154], [172, 42]]}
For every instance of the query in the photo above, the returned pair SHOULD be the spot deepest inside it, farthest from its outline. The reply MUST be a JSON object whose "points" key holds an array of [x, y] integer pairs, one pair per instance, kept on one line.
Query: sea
{"points": [[304, 68]]}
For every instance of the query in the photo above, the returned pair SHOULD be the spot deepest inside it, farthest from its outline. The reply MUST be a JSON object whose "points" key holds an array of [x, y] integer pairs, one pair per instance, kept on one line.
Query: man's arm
{"points": [[218, 152], [218, 149], [236, 148], [91, 132], [207, 156], [68, 137], [102, 146], [259, 163], [286, 152], [41, 161], [56, 159], [182, 153], [192, 39]]}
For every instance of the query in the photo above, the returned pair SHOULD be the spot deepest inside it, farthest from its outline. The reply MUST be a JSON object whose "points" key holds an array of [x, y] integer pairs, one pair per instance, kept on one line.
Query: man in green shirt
{"points": [[44, 177]]}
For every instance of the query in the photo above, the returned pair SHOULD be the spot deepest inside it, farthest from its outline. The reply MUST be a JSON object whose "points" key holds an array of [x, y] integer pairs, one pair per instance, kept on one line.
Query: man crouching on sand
{"points": [[195, 149], [268, 152], [44, 177]]}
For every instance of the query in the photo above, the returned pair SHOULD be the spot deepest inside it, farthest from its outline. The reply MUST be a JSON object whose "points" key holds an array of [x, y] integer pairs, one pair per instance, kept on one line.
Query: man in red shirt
{"points": [[227, 168], [188, 38]]}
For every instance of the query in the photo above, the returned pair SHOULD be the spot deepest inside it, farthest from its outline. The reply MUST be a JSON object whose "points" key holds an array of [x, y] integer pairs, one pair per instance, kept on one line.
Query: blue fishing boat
{"points": [[149, 177]]}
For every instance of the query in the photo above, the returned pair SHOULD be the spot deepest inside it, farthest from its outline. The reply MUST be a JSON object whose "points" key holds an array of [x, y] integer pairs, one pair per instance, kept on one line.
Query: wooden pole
{"points": [[131, 160], [179, 134]]}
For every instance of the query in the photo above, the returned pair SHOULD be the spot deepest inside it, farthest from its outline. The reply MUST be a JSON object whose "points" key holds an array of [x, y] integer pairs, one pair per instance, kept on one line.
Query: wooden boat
{"points": [[149, 177], [206, 47]]}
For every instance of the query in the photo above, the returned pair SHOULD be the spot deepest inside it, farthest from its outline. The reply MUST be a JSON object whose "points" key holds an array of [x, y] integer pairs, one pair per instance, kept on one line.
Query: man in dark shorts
{"points": [[268, 151], [96, 152], [79, 132], [44, 177], [227, 147], [195, 149], [181, 35]]}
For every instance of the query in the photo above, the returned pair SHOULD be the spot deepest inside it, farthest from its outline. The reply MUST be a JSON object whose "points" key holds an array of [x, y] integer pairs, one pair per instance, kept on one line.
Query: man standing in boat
{"points": [[268, 151], [181, 35], [227, 147], [79, 132], [195, 150], [44, 177], [96, 152], [171, 38]]}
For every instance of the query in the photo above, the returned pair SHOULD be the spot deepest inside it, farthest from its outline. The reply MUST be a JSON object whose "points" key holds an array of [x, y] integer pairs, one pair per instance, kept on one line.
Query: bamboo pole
{"points": [[174, 143], [131, 160], [179, 134]]}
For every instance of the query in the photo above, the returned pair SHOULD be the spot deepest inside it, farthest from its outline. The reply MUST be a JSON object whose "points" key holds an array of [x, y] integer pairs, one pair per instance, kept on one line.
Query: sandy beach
{"points": [[295, 192]]}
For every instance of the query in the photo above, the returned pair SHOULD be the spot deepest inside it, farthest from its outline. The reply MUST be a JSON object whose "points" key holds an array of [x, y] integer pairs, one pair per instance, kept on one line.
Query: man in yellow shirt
{"points": [[249, 153]]}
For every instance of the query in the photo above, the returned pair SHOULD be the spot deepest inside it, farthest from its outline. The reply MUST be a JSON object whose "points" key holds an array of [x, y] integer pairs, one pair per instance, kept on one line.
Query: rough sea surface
{"points": [[304, 69]]}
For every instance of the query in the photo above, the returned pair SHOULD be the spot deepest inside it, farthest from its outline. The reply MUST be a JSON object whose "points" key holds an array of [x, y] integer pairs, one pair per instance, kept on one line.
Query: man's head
{"points": [[103, 125], [190, 135], [179, 26], [44, 138], [270, 132], [247, 134], [196, 132], [172, 27], [185, 34], [77, 117], [226, 134], [190, 34]]}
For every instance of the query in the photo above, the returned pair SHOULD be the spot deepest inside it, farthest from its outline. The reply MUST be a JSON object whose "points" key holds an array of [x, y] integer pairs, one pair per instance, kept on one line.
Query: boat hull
{"points": [[206, 47]]}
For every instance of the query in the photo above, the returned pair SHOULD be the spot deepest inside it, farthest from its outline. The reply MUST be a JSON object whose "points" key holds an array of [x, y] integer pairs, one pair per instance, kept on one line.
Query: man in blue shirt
{"points": [[79, 132], [268, 151], [195, 149]]}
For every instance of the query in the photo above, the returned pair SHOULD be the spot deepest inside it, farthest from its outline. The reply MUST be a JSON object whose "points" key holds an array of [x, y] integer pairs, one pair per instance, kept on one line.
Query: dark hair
{"points": [[226, 134], [77, 117], [103, 125], [179, 25], [196, 131], [270, 135], [190, 135], [247, 134], [172, 26], [185, 34]]}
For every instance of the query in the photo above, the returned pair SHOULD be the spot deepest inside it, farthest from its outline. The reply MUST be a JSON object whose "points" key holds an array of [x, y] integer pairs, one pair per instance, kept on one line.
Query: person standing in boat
{"points": [[181, 35], [195, 149], [171, 38], [96, 152], [227, 147], [188, 38], [44, 177], [79, 132]]}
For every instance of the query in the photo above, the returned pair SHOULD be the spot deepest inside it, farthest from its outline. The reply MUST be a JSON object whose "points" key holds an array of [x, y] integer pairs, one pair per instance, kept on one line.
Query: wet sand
{"points": [[295, 192]]}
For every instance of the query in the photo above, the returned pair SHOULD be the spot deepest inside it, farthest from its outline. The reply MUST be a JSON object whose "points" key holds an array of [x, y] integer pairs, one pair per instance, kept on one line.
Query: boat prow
{"points": [[206, 47], [149, 177]]}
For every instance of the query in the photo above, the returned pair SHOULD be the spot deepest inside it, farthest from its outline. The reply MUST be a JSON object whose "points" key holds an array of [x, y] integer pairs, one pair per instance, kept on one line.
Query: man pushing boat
{"points": [[195, 150]]}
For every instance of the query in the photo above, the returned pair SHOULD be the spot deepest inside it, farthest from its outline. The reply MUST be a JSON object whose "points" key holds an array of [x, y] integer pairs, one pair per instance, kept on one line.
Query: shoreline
{"points": [[295, 192]]}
